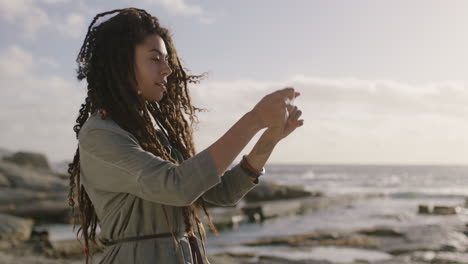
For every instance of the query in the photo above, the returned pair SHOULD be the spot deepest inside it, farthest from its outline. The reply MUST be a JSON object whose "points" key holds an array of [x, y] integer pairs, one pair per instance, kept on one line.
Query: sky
{"points": [[382, 82]]}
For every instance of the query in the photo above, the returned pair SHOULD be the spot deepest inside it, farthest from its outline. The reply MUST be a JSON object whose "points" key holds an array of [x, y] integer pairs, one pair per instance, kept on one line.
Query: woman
{"points": [[135, 170]]}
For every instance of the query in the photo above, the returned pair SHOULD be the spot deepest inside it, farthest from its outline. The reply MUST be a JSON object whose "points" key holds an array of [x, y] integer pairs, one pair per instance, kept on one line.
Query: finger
{"points": [[298, 114], [292, 125], [296, 122], [291, 109], [293, 112], [288, 92], [293, 118], [292, 97]]}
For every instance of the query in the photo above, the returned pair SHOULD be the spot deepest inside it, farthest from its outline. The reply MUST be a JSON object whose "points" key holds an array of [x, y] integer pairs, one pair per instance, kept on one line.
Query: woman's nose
{"points": [[167, 70]]}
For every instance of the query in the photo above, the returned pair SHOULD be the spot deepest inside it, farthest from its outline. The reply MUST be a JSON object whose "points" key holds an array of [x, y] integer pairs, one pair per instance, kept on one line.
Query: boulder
{"points": [[33, 193], [445, 210], [16, 197], [30, 179], [316, 239], [53, 211], [224, 217], [425, 237], [441, 257], [14, 229], [4, 152], [65, 249], [7, 258], [29, 159], [382, 231], [259, 211], [266, 191], [423, 209], [4, 181]]}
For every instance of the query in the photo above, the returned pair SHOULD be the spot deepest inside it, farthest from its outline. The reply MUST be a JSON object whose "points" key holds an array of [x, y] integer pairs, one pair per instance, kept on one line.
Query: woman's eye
{"points": [[159, 60]]}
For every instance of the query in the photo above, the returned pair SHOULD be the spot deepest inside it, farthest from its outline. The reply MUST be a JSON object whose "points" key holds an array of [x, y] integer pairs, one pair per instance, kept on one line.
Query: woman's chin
{"points": [[155, 98]]}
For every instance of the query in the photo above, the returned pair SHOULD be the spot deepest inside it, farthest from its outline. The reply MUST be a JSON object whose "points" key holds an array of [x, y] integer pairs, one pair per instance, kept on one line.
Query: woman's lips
{"points": [[162, 85]]}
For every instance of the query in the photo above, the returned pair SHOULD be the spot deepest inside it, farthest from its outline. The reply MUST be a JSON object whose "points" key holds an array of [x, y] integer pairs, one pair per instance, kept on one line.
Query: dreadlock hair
{"points": [[106, 61]]}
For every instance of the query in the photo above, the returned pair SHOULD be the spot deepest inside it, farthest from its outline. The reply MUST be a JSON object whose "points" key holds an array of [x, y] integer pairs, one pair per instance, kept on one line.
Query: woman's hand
{"points": [[293, 122], [267, 142], [274, 109]]}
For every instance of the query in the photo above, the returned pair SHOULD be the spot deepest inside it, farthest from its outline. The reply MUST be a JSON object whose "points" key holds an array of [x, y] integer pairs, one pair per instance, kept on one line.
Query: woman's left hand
{"points": [[292, 123]]}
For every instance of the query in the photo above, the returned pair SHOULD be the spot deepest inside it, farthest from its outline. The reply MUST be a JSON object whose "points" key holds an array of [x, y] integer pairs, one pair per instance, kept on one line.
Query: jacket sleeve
{"points": [[113, 161], [234, 185]]}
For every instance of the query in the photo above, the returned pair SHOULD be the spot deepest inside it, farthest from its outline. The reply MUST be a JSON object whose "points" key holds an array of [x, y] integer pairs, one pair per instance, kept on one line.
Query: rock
{"points": [[37, 205], [445, 210], [441, 257], [423, 209], [316, 239], [31, 179], [4, 181], [266, 191], [229, 259], [52, 211], [254, 213], [382, 231], [225, 217], [6, 258], [271, 209], [29, 159], [4, 152], [65, 249], [425, 238], [15, 197], [14, 229], [281, 260], [33, 193], [401, 259], [399, 243]]}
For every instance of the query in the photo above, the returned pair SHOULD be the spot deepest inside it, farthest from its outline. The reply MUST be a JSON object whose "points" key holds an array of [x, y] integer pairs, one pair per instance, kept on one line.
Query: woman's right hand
{"points": [[273, 110]]}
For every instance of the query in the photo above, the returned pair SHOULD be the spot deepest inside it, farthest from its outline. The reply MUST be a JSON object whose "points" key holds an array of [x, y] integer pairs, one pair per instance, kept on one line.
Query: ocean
{"points": [[395, 193]]}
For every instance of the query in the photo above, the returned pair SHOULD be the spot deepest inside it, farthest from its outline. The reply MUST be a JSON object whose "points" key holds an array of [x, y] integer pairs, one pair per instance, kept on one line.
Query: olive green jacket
{"points": [[127, 186]]}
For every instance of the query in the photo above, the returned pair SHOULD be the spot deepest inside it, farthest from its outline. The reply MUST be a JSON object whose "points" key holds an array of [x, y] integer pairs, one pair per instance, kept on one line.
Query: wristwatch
{"points": [[250, 171]]}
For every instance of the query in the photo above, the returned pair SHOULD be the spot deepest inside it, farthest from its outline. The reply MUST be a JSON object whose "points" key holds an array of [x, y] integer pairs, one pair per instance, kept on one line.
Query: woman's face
{"points": [[151, 68]]}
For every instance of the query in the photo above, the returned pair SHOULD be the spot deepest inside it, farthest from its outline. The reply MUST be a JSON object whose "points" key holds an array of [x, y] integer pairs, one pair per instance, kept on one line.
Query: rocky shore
{"points": [[33, 194]]}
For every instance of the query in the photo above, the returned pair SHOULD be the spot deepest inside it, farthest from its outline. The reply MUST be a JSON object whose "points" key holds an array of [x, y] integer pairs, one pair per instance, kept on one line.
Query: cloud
{"points": [[15, 62], [386, 97], [38, 110], [369, 98], [74, 25], [25, 13], [350, 120], [55, 2], [180, 7], [346, 119], [34, 16]]}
